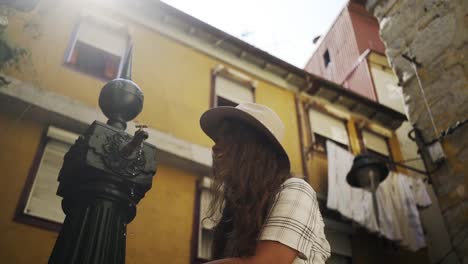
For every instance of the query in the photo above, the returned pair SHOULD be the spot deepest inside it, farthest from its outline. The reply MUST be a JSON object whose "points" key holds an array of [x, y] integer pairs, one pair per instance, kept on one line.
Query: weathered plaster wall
{"points": [[435, 33]]}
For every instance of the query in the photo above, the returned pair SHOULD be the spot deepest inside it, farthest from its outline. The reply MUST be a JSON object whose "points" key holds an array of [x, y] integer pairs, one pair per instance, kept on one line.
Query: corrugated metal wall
{"points": [[342, 47], [360, 81], [345, 50], [366, 29]]}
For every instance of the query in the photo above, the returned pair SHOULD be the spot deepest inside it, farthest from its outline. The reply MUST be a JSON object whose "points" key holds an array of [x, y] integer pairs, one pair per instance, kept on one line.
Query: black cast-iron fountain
{"points": [[104, 176]]}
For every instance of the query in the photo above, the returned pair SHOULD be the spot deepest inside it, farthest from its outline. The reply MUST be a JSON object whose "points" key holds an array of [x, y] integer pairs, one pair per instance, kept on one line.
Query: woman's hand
{"points": [[267, 252]]}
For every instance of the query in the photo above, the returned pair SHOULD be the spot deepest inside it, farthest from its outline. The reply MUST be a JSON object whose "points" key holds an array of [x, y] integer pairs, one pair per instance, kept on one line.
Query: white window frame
{"points": [[113, 28], [204, 224], [42, 201], [335, 130], [232, 85]]}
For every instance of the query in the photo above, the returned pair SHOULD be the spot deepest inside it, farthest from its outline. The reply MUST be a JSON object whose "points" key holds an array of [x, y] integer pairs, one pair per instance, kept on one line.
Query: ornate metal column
{"points": [[104, 176]]}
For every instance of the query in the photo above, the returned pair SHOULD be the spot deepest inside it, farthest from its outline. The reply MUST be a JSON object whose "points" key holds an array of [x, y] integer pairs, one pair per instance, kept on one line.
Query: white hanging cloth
{"points": [[398, 197], [349, 201], [408, 194], [388, 206]]}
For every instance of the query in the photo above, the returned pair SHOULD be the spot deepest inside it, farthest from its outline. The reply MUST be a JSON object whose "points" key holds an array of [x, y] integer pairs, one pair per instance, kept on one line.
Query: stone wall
{"points": [[434, 33]]}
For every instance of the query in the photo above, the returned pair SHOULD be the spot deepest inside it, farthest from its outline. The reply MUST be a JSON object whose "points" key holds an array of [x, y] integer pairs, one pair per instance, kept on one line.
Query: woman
{"points": [[267, 216]]}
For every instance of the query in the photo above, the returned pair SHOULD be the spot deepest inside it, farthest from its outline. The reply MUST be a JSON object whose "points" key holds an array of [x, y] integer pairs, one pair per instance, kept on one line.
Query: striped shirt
{"points": [[295, 221]]}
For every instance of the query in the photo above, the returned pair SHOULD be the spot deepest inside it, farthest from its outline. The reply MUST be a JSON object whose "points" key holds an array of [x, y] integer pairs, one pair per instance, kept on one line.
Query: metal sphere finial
{"points": [[120, 100]]}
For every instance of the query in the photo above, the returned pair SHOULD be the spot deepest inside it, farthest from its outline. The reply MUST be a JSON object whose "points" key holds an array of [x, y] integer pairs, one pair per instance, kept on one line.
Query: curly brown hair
{"points": [[247, 174]]}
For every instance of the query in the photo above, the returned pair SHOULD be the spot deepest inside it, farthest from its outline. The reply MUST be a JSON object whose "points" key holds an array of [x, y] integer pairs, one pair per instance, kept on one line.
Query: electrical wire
{"points": [[413, 64]]}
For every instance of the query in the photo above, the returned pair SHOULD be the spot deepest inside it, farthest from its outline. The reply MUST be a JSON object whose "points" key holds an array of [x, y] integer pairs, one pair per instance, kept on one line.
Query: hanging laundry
{"points": [[388, 209], [421, 195], [348, 201], [410, 223], [398, 198]]}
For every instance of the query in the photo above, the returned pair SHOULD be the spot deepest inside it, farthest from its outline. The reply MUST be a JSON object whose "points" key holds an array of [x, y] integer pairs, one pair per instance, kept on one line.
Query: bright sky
{"points": [[283, 28]]}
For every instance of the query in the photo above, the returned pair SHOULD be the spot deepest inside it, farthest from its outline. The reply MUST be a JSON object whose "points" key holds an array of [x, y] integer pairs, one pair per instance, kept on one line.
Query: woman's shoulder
{"points": [[297, 186]]}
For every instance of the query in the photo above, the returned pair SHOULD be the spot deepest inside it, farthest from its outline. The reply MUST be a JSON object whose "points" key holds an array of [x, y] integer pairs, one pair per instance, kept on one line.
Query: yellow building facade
{"points": [[177, 61]]}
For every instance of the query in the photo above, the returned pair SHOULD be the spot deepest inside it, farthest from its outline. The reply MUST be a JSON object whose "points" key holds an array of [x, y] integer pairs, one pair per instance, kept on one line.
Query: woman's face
{"points": [[219, 150]]}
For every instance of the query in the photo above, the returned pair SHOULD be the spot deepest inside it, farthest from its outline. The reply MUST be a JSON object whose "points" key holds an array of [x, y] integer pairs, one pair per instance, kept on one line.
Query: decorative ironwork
{"points": [[119, 163], [104, 176]]}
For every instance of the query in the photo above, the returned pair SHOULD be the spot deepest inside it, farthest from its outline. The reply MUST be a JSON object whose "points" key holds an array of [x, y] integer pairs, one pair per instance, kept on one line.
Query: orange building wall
{"points": [[160, 233], [175, 78], [19, 243]]}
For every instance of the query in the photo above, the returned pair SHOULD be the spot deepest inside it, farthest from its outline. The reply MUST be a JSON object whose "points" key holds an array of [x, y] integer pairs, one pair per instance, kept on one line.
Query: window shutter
{"points": [[102, 37], [328, 126], [233, 91], [43, 201], [375, 142]]}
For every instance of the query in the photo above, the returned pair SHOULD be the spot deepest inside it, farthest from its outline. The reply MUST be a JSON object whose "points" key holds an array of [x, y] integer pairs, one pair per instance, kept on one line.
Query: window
{"points": [[376, 144], [205, 225], [39, 203], [98, 48], [326, 58], [325, 127], [231, 88]]}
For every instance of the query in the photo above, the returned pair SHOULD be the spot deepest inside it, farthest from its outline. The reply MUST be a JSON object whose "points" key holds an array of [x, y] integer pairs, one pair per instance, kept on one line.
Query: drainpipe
{"points": [[300, 116]]}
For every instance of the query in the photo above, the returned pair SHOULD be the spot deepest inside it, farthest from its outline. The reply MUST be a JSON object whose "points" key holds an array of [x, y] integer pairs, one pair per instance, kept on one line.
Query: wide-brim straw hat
{"points": [[258, 116]]}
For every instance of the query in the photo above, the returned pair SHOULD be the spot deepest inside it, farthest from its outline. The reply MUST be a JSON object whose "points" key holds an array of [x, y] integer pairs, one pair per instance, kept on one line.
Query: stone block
{"points": [[458, 239], [424, 123], [448, 94], [392, 53], [381, 8], [436, 65], [402, 68], [435, 32], [460, 8], [453, 57], [396, 44], [453, 198], [457, 144], [446, 97], [402, 17], [456, 218], [371, 4], [462, 155], [434, 39], [464, 56], [433, 9]]}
